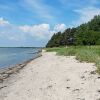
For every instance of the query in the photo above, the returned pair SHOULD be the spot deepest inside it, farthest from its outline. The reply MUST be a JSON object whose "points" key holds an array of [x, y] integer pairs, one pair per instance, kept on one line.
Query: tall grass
{"points": [[82, 53]]}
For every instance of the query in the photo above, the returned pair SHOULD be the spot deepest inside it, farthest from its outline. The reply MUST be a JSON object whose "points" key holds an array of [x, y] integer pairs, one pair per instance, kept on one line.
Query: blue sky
{"points": [[32, 22]]}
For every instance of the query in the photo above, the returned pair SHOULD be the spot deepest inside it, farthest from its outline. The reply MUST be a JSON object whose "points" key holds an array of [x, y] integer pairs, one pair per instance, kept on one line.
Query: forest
{"points": [[85, 34]]}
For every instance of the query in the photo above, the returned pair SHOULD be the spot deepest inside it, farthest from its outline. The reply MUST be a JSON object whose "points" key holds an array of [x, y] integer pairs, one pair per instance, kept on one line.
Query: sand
{"points": [[52, 77]]}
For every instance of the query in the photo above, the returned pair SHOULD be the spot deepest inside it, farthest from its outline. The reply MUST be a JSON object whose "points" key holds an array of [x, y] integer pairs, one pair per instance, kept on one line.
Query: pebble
{"points": [[98, 91], [68, 87], [3, 87], [82, 77], [50, 86], [76, 90], [9, 72], [68, 80], [99, 77], [93, 72]]}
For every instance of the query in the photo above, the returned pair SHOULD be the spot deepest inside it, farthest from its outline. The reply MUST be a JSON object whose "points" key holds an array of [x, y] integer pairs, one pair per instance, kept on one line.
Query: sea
{"points": [[10, 56]]}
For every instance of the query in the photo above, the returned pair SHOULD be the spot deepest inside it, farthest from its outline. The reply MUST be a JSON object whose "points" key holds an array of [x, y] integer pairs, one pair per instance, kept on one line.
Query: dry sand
{"points": [[52, 77]]}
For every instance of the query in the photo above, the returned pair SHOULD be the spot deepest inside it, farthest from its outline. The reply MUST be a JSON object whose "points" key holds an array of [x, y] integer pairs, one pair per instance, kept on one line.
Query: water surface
{"points": [[16, 55]]}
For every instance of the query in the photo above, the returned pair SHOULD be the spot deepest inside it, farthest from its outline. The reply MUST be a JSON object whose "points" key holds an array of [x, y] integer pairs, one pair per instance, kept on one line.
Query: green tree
{"points": [[85, 34]]}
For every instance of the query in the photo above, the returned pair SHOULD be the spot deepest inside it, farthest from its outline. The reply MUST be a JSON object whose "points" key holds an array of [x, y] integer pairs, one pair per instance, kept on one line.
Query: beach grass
{"points": [[82, 53]]}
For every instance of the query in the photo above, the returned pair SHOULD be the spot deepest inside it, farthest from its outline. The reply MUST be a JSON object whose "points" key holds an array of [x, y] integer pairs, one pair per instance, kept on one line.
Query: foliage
{"points": [[85, 34]]}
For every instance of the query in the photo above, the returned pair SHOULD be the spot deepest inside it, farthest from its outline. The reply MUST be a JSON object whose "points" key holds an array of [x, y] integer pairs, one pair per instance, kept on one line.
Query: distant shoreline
{"points": [[21, 47]]}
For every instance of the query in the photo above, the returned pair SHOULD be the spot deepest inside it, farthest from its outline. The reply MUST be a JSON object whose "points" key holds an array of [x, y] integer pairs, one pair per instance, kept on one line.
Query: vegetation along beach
{"points": [[82, 41]]}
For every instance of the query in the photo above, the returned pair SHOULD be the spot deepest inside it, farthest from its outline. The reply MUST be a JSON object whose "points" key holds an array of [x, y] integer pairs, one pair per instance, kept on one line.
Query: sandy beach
{"points": [[52, 77]]}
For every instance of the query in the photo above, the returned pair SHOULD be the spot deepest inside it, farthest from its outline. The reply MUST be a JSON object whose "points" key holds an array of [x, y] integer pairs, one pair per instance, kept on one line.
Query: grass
{"points": [[82, 53]]}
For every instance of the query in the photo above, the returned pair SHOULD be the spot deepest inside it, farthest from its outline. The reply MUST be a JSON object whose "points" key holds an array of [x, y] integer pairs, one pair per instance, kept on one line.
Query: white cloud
{"points": [[25, 28], [42, 30], [85, 15], [39, 31], [59, 27], [3, 22], [22, 33], [9, 31]]}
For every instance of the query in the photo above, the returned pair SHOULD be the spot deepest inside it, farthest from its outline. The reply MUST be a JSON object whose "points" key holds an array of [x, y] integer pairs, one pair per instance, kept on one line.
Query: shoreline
{"points": [[5, 73], [52, 77]]}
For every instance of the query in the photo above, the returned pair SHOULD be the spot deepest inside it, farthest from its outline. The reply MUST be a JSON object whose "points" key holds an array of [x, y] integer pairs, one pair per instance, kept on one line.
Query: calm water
{"points": [[12, 56]]}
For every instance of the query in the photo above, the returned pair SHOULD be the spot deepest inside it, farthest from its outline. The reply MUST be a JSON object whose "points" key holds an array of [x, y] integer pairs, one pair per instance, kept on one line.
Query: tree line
{"points": [[85, 34]]}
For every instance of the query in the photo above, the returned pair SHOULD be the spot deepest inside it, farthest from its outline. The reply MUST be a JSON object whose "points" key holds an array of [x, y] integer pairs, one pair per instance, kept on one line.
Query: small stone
{"points": [[85, 72], [50, 86], [9, 68], [82, 99], [9, 72], [82, 83], [98, 91], [68, 80], [82, 77], [76, 90], [3, 87], [15, 69], [4, 76], [93, 72], [99, 77], [22, 65], [68, 87], [18, 67]]}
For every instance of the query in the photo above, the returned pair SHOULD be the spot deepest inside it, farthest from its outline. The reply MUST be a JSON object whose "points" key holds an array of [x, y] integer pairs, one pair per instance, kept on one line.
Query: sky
{"points": [[33, 22]]}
